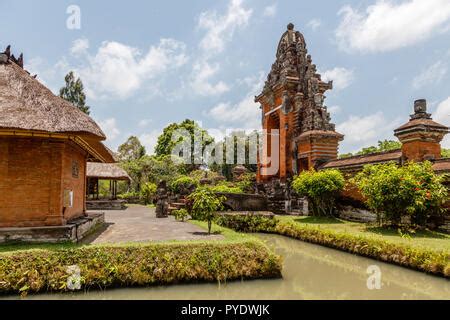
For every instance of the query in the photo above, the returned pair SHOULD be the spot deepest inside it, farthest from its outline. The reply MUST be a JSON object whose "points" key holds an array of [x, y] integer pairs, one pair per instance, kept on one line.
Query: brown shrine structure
{"points": [[292, 106]]}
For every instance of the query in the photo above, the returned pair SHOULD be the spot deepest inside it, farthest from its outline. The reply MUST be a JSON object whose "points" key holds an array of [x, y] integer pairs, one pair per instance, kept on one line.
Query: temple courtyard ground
{"points": [[139, 224]]}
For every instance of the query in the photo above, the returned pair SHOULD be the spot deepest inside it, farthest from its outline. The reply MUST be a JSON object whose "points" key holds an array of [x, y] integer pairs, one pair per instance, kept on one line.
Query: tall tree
{"points": [[166, 142], [131, 150], [73, 92]]}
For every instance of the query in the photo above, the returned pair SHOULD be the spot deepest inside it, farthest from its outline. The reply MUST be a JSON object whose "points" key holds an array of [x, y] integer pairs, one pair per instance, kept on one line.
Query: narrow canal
{"points": [[309, 272]]}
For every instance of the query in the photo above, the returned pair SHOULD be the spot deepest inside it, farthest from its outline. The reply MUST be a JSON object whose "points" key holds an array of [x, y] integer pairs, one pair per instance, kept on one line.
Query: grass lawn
{"points": [[229, 235], [422, 239]]}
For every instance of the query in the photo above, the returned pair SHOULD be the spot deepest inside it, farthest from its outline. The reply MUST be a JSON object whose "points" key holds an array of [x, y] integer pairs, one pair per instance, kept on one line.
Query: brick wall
{"points": [[31, 184]]}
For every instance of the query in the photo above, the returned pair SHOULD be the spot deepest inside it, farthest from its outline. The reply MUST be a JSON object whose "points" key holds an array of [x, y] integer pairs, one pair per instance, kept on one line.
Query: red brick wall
{"points": [[31, 187], [73, 154], [418, 150]]}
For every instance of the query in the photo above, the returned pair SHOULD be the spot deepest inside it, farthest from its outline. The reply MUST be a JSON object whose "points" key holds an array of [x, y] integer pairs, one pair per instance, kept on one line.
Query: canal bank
{"points": [[309, 272]]}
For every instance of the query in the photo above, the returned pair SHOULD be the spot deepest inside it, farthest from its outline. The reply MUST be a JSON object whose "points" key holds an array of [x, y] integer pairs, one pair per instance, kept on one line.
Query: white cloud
{"points": [[388, 25], [334, 110], [314, 24], [149, 140], [144, 122], [220, 28], [270, 11], [79, 47], [364, 131], [341, 77], [118, 70], [201, 79], [442, 115], [246, 113], [109, 127], [430, 75]]}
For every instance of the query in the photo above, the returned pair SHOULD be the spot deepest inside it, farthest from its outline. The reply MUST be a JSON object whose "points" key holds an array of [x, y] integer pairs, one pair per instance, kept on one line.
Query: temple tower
{"points": [[293, 113], [421, 136]]}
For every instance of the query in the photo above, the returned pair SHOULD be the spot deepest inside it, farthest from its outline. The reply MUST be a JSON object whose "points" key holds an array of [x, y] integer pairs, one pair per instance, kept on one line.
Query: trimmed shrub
{"points": [[247, 222], [412, 190], [429, 261], [223, 188], [321, 188], [158, 264], [183, 183]]}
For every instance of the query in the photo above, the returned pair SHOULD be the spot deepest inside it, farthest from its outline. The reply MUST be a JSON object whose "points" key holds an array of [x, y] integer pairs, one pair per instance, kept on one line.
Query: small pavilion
{"points": [[104, 171]]}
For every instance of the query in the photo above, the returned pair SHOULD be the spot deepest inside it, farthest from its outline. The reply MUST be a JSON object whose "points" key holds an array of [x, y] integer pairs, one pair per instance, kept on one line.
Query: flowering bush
{"points": [[393, 191], [321, 188]]}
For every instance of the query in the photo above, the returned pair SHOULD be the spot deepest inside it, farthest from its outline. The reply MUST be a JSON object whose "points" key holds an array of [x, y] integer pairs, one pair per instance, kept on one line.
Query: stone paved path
{"points": [[139, 224]]}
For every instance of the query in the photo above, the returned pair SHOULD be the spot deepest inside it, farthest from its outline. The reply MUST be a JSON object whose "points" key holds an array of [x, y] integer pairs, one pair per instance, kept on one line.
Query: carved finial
{"points": [[420, 109], [290, 26], [20, 61], [8, 51]]}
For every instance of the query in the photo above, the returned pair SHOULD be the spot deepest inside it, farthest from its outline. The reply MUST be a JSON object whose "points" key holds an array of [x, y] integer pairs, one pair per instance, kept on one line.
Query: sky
{"points": [[146, 64]]}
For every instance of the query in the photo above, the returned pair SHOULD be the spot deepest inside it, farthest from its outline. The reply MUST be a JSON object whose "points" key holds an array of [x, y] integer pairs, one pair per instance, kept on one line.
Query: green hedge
{"points": [[429, 261], [420, 259], [246, 222], [158, 264]]}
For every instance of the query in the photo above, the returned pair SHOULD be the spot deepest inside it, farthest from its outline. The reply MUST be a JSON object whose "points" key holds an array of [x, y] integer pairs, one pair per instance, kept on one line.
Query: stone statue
{"points": [[162, 204]]}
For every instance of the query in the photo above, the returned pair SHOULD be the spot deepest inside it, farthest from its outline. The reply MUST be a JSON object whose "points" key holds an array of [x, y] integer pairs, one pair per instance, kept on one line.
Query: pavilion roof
{"points": [[26, 105], [107, 171]]}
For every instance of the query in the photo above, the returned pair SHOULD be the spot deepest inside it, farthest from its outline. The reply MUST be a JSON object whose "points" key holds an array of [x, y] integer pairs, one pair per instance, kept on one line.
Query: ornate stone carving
{"points": [[293, 63]]}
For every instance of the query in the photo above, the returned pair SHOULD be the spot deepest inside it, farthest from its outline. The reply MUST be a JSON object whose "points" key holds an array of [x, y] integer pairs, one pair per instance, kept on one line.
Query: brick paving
{"points": [[139, 224]]}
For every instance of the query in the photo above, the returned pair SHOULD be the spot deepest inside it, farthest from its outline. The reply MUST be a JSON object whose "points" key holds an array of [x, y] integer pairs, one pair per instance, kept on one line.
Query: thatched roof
{"points": [[107, 171], [28, 105]]}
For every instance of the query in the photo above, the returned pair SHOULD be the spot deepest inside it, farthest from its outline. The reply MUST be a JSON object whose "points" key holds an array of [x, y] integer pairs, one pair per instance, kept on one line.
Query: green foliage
{"points": [[136, 265], [183, 183], [321, 188], [422, 259], [205, 204], [73, 92], [131, 150], [445, 153], [385, 145], [148, 192], [180, 214], [247, 182], [393, 191], [166, 142], [248, 222], [129, 196], [151, 169], [225, 188]]}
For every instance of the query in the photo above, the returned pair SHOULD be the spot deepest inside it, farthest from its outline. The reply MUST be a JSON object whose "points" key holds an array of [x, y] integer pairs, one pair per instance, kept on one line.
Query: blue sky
{"points": [[146, 64]]}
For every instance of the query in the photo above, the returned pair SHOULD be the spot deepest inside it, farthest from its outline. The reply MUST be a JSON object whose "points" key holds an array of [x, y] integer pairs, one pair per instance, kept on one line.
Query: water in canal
{"points": [[309, 272]]}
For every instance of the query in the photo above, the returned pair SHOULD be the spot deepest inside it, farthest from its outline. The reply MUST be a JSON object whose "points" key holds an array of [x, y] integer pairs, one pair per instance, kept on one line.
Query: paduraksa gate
{"points": [[300, 135]]}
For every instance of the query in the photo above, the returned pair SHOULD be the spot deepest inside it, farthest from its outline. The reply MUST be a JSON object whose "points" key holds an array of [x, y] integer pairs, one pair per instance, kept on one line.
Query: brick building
{"points": [[293, 112], [45, 143]]}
